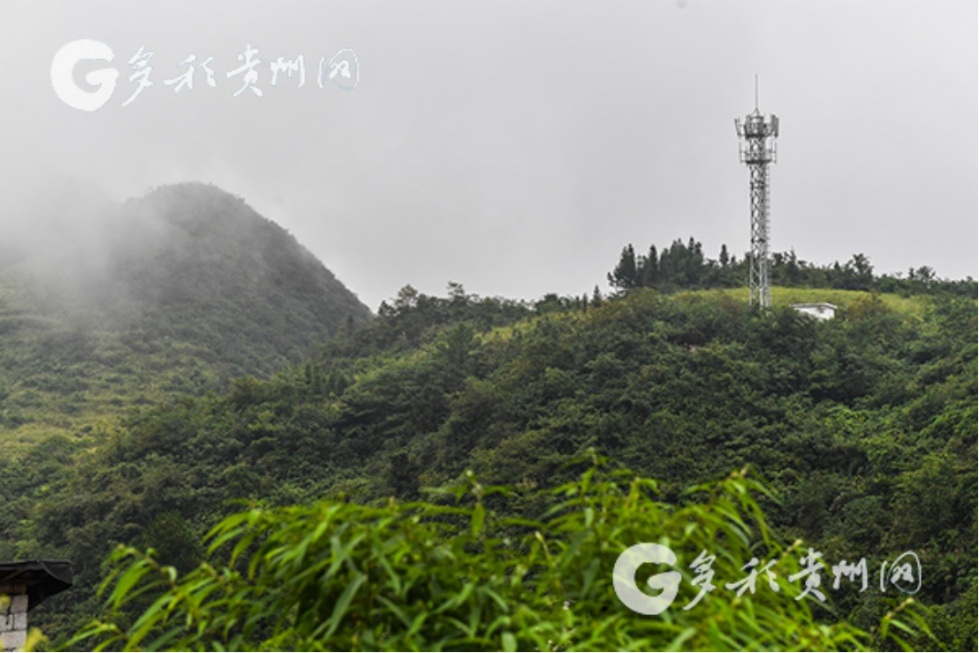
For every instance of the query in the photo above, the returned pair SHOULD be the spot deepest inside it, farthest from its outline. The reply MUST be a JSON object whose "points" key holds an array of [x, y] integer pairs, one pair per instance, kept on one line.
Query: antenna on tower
{"points": [[757, 148]]}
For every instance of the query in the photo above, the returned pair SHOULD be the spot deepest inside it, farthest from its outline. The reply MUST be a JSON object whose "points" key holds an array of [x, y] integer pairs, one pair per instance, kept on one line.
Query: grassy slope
{"points": [[61, 375], [842, 298]]}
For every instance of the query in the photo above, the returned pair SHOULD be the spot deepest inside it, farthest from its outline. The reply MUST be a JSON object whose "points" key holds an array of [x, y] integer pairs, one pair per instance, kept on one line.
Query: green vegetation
{"points": [[139, 413], [450, 576], [685, 266], [864, 424], [177, 293]]}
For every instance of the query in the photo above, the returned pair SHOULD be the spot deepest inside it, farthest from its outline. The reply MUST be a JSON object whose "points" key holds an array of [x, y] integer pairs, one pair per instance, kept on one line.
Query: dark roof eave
{"points": [[42, 578]]}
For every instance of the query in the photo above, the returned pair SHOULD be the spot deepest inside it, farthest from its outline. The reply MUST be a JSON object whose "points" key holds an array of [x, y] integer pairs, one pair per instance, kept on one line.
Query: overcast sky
{"points": [[515, 147]]}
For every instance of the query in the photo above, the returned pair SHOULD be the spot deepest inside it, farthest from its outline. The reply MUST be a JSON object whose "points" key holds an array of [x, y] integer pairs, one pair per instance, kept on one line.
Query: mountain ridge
{"points": [[179, 290]]}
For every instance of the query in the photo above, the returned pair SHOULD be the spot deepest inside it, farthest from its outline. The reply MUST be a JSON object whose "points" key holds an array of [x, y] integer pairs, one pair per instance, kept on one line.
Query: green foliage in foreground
{"points": [[456, 574]]}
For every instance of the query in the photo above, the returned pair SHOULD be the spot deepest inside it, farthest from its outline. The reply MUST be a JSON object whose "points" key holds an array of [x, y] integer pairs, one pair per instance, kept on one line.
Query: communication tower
{"points": [[756, 137]]}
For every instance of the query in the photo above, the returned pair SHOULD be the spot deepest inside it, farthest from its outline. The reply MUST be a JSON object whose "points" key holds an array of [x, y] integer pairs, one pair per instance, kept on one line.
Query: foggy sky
{"points": [[515, 147]]}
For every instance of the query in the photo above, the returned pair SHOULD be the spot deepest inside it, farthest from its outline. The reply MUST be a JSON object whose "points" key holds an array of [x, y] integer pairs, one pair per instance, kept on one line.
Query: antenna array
{"points": [[756, 136]]}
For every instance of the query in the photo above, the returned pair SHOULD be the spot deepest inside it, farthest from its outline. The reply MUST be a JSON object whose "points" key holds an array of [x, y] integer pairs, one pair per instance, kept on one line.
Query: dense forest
{"points": [[855, 435]]}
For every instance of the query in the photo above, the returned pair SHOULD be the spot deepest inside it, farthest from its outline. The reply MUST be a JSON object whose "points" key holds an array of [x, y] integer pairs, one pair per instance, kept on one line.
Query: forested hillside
{"points": [[181, 354], [104, 307], [864, 425]]}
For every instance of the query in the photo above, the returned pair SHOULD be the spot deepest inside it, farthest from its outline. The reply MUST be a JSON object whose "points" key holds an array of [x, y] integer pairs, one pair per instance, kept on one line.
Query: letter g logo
{"points": [[62, 74], [624, 578]]}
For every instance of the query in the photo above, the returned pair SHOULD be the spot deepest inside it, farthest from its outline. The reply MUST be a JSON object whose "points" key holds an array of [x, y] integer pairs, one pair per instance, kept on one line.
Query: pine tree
{"points": [[596, 298], [694, 268], [650, 269], [624, 276]]}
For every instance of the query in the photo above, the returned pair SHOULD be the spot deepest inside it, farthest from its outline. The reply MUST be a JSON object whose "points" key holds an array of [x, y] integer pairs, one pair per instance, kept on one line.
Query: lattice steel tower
{"points": [[756, 137]]}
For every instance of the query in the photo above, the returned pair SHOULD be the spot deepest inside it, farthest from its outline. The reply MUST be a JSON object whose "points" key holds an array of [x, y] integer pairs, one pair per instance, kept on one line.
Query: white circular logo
{"points": [[63, 80], [624, 578]]}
